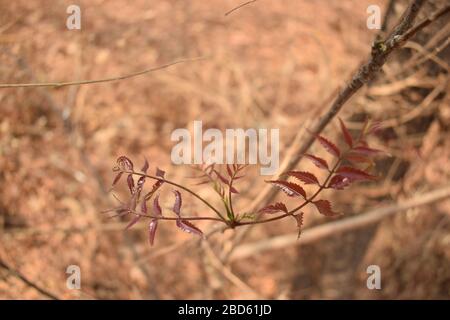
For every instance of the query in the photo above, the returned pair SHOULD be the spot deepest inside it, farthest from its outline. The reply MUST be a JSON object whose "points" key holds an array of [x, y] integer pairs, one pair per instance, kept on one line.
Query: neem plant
{"points": [[339, 175]]}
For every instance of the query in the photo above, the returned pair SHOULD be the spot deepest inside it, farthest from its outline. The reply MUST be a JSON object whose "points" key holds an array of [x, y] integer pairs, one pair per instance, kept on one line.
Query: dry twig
{"points": [[81, 82], [28, 282]]}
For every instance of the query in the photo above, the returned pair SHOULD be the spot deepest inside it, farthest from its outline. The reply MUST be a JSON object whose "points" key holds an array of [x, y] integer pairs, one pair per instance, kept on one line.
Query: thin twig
{"points": [[239, 6], [28, 282], [81, 82]]}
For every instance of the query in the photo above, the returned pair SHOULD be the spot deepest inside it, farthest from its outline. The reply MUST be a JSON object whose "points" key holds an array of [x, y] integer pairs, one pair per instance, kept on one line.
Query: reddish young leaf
{"points": [[144, 206], [160, 173], [156, 207], [299, 219], [319, 162], [135, 219], [366, 151], [358, 158], [375, 127], [347, 136], [329, 146], [290, 188], [324, 207], [233, 190], [178, 202], [117, 178], [145, 166], [202, 182], [153, 225], [130, 182], [354, 174], [306, 177], [188, 227], [140, 185], [339, 182], [124, 164], [229, 171], [274, 208], [222, 178]]}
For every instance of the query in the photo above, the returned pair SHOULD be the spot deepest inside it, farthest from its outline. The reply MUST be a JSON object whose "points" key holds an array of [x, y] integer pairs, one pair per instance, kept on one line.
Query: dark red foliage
{"points": [[305, 177], [299, 219], [153, 225], [188, 227], [347, 136], [178, 202], [223, 179], [339, 182], [324, 207], [290, 188], [183, 224], [124, 164], [329, 146], [319, 162], [274, 208], [354, 174]]}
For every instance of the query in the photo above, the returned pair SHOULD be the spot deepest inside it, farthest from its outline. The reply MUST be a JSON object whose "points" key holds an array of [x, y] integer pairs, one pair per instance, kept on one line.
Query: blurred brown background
{"points": [[271, 64]]}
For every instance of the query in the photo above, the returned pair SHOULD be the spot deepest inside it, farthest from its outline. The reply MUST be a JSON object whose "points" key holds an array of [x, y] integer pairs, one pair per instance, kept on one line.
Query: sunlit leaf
{"points": [[290, 188], [188, 227], [153, 225], [339, 182], [306, 177], [178, 202]]}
